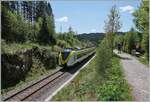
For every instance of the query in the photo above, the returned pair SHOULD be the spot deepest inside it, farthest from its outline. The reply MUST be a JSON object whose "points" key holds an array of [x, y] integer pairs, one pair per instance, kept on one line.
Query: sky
{"points": [[88, 16]]}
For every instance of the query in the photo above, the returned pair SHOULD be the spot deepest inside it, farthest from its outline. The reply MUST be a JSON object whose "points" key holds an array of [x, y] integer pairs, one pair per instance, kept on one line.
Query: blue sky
{"points": [[87, 16]]}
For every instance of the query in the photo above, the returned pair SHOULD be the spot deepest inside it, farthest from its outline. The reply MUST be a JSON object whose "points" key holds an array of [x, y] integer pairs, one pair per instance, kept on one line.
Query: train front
{"points": [[64, 56]]}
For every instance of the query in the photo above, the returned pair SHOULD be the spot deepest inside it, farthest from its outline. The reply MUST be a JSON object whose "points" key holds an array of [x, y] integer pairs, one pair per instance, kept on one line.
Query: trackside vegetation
{"points": [[93, 85]]}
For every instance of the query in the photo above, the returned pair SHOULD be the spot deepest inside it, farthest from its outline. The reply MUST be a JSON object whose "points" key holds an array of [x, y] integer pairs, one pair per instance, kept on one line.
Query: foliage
{"points": [[18, 64], [129, 41], [141, 19], [15, 24], [91, 38], [112, 25], [27, 21], [17, 47], [68, 39], [115, 87], [45, 35], [143, 60], [104, 56]]}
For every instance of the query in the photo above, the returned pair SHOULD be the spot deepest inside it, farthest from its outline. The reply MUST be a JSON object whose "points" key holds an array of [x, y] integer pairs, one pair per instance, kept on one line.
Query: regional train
{"points": [[69, 57]]}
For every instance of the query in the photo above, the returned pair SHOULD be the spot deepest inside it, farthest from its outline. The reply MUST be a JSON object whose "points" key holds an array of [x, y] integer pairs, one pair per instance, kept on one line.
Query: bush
{"points": [[145, 44], [115, 87], [62, 43], [15, 67], [56, 48], [104, 55], [46, 57]]}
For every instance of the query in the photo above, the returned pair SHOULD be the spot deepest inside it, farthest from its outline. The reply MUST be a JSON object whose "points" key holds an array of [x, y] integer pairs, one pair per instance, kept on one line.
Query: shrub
{"points": [[46, 57], [104, 55], [15, 67], [115, 87]]}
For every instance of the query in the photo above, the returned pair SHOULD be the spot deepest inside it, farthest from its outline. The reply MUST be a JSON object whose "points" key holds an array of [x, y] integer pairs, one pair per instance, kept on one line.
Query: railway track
{"points": [[31, 92]]}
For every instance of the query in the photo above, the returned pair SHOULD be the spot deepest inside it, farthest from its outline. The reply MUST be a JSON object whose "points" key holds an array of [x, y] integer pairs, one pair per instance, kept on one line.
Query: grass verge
{"points": [[90, 86], [143, 60], [16, 47]]}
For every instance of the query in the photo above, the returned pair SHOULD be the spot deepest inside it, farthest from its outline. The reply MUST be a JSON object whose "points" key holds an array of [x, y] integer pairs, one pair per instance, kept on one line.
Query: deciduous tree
{"points": [[141, 19]]}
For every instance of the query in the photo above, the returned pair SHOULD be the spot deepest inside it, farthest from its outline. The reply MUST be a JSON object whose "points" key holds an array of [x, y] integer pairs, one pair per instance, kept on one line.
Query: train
{"points": [[69, 57]]}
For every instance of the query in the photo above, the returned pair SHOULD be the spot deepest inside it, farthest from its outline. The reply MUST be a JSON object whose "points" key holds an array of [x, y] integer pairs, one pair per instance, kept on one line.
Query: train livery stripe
{"points": [[65, 61]]}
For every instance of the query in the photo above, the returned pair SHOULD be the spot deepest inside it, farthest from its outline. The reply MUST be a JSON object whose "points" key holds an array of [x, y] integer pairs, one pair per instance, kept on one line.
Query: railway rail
{"points": [[29, 92]]}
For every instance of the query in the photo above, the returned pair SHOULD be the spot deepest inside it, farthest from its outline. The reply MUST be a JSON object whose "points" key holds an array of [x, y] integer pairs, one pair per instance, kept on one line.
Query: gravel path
{"points": [[137, 75]]}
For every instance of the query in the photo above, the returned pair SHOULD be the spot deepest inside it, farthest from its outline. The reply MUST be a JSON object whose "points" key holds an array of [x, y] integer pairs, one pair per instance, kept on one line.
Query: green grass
{"points": [[143, 60], [90, 86], [16, 47]]}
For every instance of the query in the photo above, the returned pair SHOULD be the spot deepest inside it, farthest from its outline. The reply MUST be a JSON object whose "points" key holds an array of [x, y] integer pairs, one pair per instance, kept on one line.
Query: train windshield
{"points": [[66, 53]]}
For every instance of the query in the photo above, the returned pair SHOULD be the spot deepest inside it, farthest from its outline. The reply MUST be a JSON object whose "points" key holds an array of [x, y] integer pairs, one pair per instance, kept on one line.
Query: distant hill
{"points": [[121, 33], [93, 37]]}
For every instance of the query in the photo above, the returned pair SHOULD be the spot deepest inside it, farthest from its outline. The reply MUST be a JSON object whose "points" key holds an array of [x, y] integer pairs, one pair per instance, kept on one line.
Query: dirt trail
{"points": [[137, 75]]}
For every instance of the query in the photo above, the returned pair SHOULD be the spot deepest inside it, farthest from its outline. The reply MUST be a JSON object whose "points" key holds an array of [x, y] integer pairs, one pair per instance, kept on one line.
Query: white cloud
{"points": [[62, 19], [127, 8]]}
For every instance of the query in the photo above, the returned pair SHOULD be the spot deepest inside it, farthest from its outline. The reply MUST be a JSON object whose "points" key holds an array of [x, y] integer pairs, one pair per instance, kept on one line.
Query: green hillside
{"points": [[92, 37]]}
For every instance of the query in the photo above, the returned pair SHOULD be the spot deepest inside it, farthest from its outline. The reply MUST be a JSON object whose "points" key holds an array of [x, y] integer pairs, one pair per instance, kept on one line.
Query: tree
{"points": [[141, 20], [27, 21], [15, 24], [43, 36], [130, 40], [112, 25], [46, 33], [41, 9], [104, 57], [51, 28], [49, 10]]}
